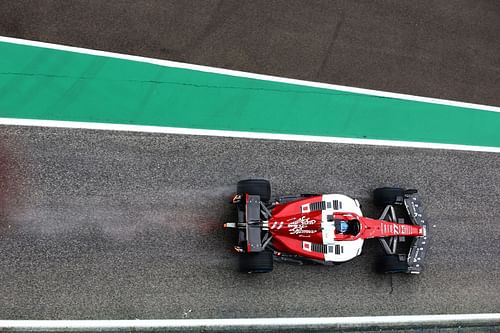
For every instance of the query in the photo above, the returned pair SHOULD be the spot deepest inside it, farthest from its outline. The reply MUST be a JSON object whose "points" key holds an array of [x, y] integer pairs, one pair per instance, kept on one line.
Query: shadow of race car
{"points": [[326, 229]]}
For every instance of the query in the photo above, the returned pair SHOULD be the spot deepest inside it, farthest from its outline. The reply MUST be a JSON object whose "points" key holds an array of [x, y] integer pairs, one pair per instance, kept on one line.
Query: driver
{"points": [[343, 226]]}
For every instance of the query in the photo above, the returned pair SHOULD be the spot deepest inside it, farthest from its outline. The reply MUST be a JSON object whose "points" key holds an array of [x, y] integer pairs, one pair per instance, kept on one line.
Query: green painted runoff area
{"points": [[40, 83]]}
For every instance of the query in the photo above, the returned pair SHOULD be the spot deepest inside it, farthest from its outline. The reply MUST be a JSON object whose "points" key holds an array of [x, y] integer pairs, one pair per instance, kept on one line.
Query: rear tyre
{"points": [[260, 187], [391, 264], [388, 196], [256, 262]]}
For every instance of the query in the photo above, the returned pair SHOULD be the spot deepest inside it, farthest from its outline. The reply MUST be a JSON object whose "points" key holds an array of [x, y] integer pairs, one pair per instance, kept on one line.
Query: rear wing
{"points": [[420, 244], [251, 212], [253, 223]]}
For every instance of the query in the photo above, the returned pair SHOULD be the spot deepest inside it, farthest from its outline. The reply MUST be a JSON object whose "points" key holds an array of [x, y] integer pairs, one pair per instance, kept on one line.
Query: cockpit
{"points": [[347, 227]]}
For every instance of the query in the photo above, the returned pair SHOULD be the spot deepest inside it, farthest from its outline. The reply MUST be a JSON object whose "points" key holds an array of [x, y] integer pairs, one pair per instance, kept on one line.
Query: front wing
{"points": [[419, 245]]}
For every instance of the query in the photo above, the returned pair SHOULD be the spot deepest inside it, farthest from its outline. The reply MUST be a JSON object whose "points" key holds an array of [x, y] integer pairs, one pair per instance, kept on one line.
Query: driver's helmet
{"points": [[343, 226]]}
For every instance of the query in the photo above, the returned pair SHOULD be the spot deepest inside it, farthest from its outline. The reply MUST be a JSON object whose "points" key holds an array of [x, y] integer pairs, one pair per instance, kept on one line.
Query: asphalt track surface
{"points": [[119, 225], [108, 225]]}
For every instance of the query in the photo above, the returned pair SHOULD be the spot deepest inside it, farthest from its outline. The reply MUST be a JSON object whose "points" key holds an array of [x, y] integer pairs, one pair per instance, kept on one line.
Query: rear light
{"points": [[236, 198]]}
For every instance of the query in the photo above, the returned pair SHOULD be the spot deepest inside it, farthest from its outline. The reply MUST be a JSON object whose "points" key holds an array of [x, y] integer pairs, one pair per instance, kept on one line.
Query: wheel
{"points": [[392, 264], [388, 196], [256, 262], [260, 187]]}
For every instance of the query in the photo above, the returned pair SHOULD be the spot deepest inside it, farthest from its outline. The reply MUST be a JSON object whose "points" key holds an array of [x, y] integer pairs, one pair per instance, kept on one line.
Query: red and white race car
{"points": [[326, 229]]}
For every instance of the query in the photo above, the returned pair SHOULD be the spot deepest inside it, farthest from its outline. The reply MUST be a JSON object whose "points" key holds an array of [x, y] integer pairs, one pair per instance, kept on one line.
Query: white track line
{"points": [[490, 319], [237, 134], [168, 63]]}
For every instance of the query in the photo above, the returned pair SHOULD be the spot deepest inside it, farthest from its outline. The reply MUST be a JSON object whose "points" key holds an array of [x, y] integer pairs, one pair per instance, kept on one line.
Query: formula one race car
{"points": [[326, 229]]}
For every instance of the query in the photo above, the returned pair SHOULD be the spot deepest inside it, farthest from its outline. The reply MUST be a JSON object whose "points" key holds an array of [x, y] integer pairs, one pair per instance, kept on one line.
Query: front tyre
{"points": [[260, 187], [256, 262]]}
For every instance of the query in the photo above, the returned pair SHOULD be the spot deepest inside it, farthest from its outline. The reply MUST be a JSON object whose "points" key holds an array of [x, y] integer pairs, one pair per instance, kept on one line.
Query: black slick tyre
{"points": [[390, 264], [388, 196], [256, 262], [260, 187]]}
